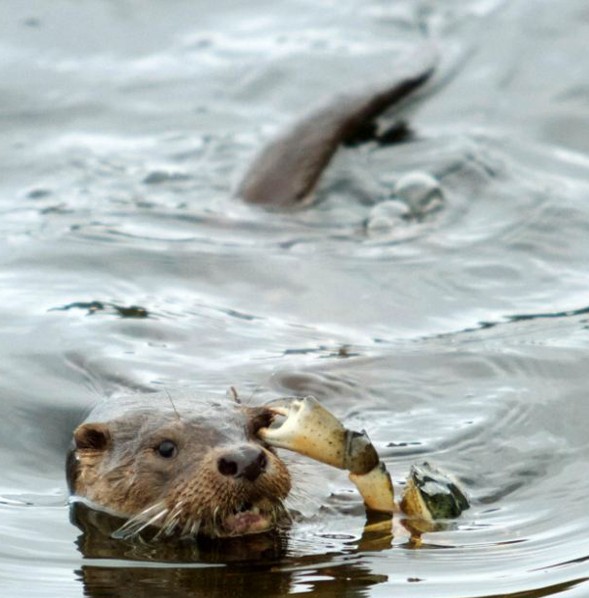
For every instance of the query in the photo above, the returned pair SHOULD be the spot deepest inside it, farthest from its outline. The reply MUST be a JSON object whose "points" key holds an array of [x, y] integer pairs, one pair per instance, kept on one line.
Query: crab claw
{"points": [[376, 489], [306, 427], [309, 429]]}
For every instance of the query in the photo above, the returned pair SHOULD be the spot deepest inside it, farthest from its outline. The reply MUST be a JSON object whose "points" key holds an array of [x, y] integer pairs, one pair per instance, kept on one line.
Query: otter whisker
{"points": [[186, 529], [177, 510], [171, 522], [282, 514], [191, 528], [168, 527], [284, 510], [195, 527], [134, 526], [146, 513], [172, 402], [215, 523], [176, 513], [233, 394]]}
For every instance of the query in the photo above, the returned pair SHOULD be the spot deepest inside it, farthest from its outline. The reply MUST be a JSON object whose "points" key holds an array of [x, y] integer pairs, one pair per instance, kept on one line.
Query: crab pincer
{"points": [[306, 427]]}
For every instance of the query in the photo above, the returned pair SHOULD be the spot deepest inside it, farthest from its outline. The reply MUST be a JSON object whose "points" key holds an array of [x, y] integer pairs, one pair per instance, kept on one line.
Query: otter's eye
{"points": [[167, 449]]}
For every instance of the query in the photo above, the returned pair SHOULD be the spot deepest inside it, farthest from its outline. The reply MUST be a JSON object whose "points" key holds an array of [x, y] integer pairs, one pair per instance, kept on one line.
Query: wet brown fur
{"points": [[115, 465]]}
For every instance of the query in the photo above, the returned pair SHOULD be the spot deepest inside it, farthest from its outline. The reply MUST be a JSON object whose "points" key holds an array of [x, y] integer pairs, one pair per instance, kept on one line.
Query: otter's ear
{"points": [[92, 436]]}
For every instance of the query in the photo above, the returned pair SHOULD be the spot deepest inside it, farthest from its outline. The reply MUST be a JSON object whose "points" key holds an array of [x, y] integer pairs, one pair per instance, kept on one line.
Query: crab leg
{"points": [[306, 427]]}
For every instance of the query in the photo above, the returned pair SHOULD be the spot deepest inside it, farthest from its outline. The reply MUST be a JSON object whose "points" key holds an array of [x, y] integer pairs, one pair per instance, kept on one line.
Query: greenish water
{"points": [[126, 266]]}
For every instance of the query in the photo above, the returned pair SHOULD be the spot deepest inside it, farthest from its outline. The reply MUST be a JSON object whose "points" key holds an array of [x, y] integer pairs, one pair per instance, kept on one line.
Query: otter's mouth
{"points": [[244, 519], [249, 518]]}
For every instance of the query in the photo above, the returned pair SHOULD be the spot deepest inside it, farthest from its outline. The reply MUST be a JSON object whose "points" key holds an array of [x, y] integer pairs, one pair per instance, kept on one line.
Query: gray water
{"points": [[459, 336]]}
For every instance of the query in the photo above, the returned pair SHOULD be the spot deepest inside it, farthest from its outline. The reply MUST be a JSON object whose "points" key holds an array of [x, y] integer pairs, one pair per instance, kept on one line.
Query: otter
{"points": [[194, 466], [188, 466]]}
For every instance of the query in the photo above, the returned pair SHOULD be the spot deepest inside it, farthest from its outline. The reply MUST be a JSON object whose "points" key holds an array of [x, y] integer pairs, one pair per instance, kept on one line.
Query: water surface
{"points": [[459, 336]]}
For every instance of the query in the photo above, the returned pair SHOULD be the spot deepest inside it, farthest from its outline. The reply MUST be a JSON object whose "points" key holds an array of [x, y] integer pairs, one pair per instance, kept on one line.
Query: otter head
{"points": [[202, 471]]}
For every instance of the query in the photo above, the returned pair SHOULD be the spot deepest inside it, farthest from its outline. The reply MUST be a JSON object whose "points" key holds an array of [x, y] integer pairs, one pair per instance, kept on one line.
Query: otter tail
{"points": [[287, 170]]}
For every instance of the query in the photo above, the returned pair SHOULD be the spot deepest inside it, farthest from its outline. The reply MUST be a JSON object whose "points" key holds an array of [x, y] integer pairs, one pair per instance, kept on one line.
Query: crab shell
{"points": [[431, 495]]}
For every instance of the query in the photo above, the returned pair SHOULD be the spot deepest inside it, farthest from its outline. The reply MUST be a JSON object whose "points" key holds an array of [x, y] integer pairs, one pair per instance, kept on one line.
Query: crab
{"points": [[308, 428]]}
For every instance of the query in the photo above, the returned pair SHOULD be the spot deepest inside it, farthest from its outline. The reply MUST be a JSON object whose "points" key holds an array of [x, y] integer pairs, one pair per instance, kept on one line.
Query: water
{"points": [[459, 337]]}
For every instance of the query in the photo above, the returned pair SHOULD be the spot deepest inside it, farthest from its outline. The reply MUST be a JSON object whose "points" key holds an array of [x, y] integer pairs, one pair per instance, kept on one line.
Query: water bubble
{"points": [[420, 192], [385, 217]]}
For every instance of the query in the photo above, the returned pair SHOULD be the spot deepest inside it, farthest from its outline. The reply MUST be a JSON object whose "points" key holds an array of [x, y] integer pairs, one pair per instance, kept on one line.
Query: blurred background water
{"points": [[459, 335]]}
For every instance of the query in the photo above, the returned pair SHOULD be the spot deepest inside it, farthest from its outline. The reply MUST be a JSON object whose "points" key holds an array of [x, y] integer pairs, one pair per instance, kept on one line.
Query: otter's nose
{"points": [[245, 461]]}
